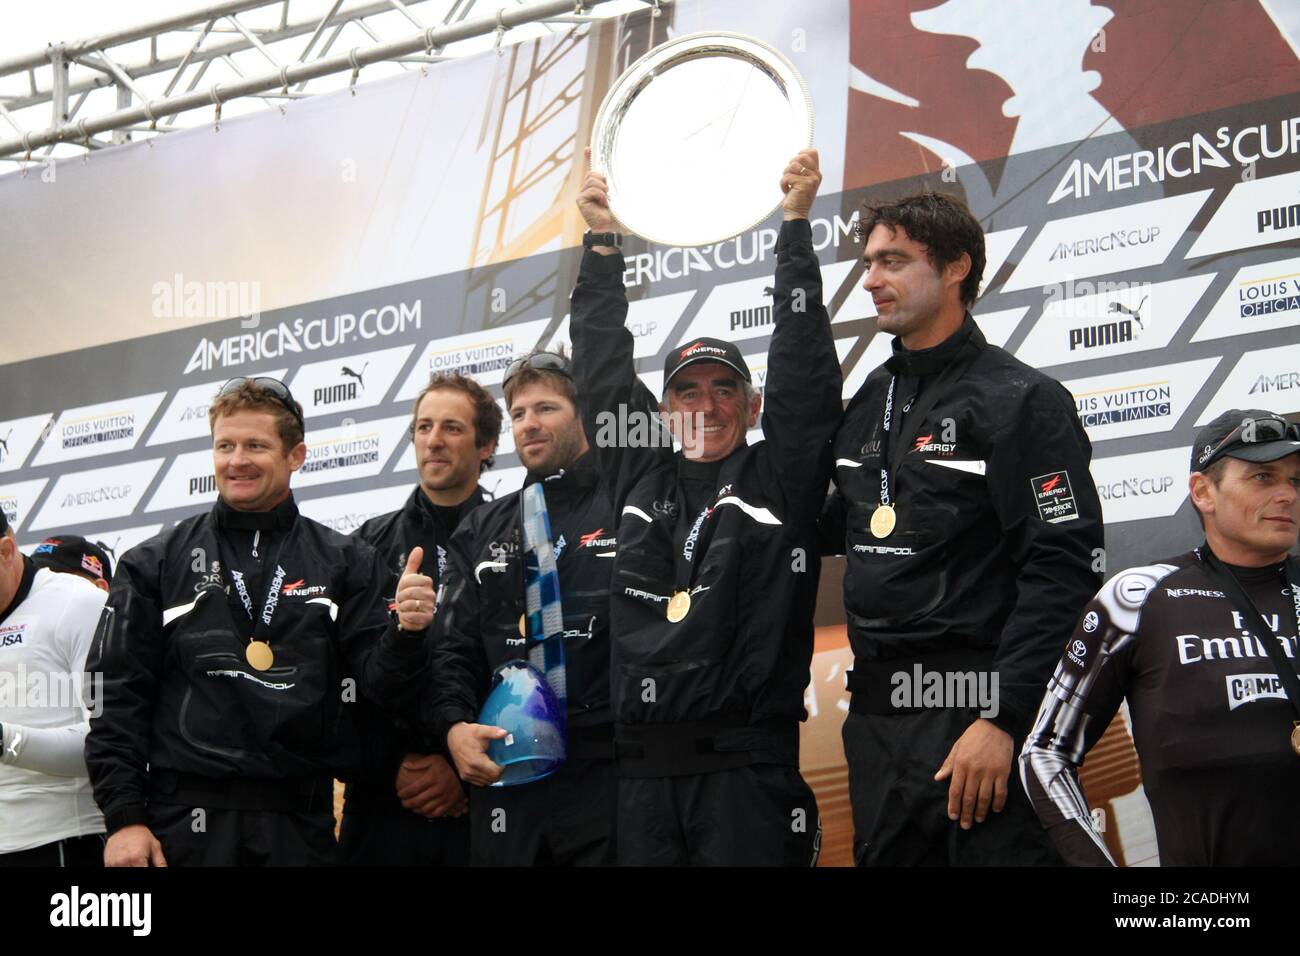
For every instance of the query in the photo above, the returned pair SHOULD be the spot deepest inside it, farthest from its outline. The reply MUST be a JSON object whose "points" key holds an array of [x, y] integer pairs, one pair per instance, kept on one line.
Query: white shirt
{"points": [[45, 792]]}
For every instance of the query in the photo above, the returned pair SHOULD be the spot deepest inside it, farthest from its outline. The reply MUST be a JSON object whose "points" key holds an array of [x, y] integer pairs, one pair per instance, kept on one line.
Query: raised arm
{"points": [[611, 395], [801, 403]]}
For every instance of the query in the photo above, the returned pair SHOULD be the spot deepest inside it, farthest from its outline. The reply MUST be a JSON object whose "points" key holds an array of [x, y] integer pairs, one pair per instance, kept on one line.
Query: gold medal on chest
{"points": [[883, 520]]}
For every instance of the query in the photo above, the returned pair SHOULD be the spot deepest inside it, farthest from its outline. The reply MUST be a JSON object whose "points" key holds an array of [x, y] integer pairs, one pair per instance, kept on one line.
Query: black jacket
{"points": [[743, 651], [481, 599], [999, 534], [387, 737], [178, 694]]}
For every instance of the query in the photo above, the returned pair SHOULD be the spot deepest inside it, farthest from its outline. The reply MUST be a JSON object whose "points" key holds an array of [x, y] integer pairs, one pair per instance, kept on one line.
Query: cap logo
{"points": [[701, 347]]}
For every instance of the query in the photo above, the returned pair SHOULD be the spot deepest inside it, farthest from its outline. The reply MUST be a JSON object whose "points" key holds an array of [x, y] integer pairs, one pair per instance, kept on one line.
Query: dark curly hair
{"points": [[941, 223], [487, 413]]}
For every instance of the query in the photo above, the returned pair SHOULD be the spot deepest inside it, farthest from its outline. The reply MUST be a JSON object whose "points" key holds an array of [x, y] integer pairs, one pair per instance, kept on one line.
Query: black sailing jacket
{"points": [[481, 599], [999, 533], [744, 649], [389, 738], [178, 693]]}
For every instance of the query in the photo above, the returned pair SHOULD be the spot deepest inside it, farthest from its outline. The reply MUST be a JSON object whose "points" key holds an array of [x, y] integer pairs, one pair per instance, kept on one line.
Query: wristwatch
{"points": [[591, 239]]}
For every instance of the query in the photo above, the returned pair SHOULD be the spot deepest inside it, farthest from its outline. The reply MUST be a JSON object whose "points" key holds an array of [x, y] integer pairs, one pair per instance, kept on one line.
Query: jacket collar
{"points": [[282, 515], [418, 507], [582, 474], [923, 362]]}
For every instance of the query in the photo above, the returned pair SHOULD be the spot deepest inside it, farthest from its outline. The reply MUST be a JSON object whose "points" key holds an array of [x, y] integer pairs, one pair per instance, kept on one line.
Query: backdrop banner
{"points": [[1142, 213]]}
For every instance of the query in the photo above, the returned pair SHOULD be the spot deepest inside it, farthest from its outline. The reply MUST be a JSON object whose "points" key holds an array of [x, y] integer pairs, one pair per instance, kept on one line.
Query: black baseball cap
{"points": [[705, 350], [72, 552], [1251, 434]]}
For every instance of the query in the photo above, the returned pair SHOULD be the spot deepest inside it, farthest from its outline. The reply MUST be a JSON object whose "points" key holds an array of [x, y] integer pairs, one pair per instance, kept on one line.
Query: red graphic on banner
{"points": [[964, 81]]}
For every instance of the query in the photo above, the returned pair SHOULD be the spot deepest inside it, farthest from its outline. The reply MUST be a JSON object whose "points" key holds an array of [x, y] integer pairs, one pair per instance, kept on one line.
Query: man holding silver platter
{"points": [[716, 573]]}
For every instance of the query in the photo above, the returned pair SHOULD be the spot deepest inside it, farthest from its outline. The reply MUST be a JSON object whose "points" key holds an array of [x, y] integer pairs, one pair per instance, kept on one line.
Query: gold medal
{"points": [[523, 626], [259, 656], [1295, 738], [679, 606], [883, 520]]}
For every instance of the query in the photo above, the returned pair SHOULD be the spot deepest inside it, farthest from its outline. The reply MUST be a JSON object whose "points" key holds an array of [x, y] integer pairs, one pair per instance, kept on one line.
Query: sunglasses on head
{"points": [[276, 388], [543, 361], [1253, 431]]}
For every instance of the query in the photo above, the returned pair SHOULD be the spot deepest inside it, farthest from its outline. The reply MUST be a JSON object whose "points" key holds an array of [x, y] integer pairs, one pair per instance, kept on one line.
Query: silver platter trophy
{"points": [[693, 136]]}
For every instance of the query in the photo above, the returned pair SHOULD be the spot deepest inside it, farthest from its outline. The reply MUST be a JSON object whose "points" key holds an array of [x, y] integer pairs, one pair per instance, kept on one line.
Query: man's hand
{"points": [[593, 203], [468, 745], [134, 846], [426, 784], [799, 182], [979, 764], [415, 595]]}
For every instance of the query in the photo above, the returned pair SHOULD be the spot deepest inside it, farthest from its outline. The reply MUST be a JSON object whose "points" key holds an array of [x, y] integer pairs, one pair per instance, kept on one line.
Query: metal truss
{"points": [[250, 51], [561, 87]]}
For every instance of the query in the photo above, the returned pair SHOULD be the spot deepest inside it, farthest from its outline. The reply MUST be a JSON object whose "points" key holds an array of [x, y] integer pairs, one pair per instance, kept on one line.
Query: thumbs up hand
{"points": [[415, 596]]}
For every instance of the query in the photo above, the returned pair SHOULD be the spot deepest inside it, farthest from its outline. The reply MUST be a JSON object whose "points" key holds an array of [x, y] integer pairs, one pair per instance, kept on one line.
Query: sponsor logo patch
{"points": [[300, 588], [1077, 652], [1055, 497], [594, 540], [1248, 688], [12, 635]]}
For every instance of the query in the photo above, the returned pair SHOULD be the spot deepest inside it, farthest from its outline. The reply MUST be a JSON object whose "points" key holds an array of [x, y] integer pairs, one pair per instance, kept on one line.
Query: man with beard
{"points": [[566, 818]]}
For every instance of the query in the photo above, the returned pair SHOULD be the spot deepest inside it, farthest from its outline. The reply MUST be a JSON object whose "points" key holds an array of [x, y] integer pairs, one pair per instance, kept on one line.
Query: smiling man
{"points": [[567, 818], [972, 533], [231, 647], [407, 807], [1203, 647], [716, 574]]}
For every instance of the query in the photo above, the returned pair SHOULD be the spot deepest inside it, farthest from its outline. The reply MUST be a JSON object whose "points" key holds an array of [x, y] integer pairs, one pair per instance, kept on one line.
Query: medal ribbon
{"points": [[894, 452], [1220, 575], [232, 572], [884, 459], [695, 538]]}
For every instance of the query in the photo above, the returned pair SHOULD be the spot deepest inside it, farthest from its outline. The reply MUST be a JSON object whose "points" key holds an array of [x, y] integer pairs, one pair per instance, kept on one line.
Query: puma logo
{"points": [[1117, 307], [357, 375]]}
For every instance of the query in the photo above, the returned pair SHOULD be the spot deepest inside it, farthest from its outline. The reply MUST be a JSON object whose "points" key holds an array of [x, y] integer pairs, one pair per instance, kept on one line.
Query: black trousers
{"points": [[402, 838], [566, 819], [760, 815], [900, 813], [206, 836], [82, 851]]}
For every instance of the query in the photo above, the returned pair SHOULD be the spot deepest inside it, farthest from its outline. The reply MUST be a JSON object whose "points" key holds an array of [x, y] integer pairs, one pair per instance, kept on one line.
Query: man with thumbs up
{"points": [[407, 806], [233, 649]]}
